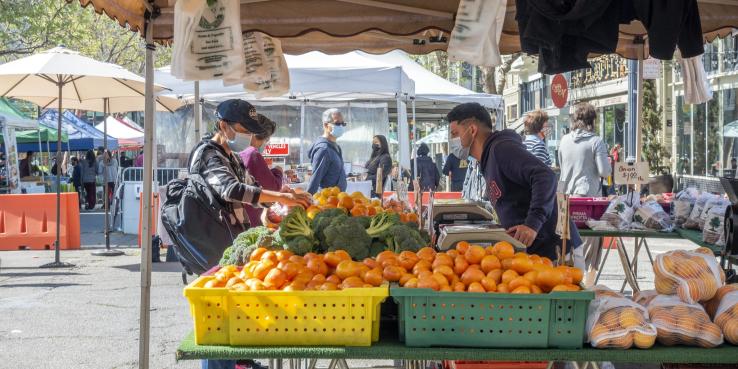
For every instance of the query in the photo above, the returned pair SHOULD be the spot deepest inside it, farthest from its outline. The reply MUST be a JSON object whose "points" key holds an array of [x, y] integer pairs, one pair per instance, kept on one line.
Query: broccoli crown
{"points": [[251, 236], [296, 233], [376, 248], [346, 233], [381, 224], [402, 237], [300, 245], [366, 222], [237, 255], [321, 221]]}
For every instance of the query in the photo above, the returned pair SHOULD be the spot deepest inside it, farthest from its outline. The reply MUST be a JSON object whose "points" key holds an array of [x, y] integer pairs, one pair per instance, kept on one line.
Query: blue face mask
{"points": [[338, 131], [240, 141]]}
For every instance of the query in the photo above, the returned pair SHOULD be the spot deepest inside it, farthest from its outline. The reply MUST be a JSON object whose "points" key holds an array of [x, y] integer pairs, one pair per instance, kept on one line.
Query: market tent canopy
{"points": [[45, 133], [14, 118], [415, 26], [82, 135], [126, 136], [438, 136]]}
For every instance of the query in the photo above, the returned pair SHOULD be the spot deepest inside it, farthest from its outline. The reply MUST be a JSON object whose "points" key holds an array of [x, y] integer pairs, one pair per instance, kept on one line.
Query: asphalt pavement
{"points": [[87, 316]]}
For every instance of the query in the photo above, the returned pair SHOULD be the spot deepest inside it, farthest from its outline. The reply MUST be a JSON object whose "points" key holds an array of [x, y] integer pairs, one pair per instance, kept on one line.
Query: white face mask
{"points": [[240, 141], [457, 148]]}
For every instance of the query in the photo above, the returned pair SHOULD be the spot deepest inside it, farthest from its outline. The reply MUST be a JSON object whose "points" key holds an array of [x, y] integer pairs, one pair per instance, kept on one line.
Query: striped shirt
{"points": [[537, 147]]}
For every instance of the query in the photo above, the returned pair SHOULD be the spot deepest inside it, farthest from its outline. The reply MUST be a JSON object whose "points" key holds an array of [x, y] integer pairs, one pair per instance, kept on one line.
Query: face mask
{"points": [[337, 131], [456, 148], [240, 141], [376, 147]]}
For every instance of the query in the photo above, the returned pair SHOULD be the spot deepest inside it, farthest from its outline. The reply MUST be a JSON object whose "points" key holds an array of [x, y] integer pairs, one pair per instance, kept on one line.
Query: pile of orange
{"points": [[473, 268], [282, 270], [355, 203]]}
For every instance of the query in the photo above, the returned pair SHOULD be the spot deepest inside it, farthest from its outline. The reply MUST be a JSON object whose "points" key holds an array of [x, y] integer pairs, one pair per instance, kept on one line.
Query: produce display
{"points": [[680, 323], [472, 268], [615, 321], [630, 212], [701, 211], [723, 308], [694, 276], [356, 204]]}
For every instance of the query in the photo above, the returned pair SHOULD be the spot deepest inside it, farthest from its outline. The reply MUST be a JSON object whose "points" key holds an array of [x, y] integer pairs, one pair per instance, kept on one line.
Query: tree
{"points": [[653, 151]]}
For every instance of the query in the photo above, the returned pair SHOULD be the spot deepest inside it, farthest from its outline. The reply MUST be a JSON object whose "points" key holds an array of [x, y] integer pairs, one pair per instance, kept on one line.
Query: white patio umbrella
{"points": [[60, 74], [731, 129]]}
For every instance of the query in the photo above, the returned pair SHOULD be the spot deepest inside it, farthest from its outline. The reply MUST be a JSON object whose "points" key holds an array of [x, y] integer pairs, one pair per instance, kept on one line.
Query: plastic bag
{"points": [[620, 211], [723, 309], [693, 275], [682, 205], [712, 229], [614, 321], [265, 67], [694, 221], [653, 216], [680, 323]]}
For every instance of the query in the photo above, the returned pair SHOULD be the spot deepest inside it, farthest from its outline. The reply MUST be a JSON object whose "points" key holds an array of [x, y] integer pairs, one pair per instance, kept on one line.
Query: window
{"points": [[684, 136], [730, 131], [512, 112]]}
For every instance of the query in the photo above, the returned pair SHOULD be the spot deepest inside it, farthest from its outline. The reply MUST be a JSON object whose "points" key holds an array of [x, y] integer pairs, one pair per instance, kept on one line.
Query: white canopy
{"points": [[118, 129]]}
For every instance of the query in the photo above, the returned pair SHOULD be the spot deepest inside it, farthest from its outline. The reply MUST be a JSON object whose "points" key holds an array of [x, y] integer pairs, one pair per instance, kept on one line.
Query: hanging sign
{"points": [[562, 222], [280, 149], [559, 91], [11, 158], [627, 174], [651, 68]]}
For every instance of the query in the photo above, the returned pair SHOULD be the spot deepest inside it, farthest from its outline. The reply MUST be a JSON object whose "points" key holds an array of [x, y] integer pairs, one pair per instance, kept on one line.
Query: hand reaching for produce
{"points": [[297, 199], [523, 233]]}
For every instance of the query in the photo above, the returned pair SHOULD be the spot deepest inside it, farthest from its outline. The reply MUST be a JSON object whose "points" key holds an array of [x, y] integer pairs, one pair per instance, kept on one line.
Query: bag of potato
{"points": [[682, 205], [693, 275], [620, 211], [614, 321], [680, 323], [723, 308], [694, 221], [653, 216], [712, 228]]}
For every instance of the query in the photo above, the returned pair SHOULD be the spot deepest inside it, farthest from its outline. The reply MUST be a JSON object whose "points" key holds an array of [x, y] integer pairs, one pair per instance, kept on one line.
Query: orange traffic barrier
{"points": [[154, 215], [28, 221], [426, 196]]}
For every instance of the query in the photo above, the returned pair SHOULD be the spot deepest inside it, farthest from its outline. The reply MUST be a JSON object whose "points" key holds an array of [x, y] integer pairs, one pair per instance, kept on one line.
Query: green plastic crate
{"points": [[462, 319]]}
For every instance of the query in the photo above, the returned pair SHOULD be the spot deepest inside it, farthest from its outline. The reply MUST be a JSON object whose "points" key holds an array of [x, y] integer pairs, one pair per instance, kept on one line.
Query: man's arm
{"points": [[604, 168], [319, 170]]}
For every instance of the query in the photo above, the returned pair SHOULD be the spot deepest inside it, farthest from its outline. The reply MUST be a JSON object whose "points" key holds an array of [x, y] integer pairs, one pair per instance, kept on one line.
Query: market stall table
{"points": [[388, 349]]}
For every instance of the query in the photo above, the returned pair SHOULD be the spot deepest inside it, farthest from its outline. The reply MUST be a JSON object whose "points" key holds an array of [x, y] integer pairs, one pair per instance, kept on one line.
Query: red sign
{"points": [[282, 149], [559, 91]]}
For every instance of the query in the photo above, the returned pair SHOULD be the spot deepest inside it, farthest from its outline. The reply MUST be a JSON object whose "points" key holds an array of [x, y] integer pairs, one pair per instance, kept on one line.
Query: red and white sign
{"points": [[559, 91], [280, 149]]}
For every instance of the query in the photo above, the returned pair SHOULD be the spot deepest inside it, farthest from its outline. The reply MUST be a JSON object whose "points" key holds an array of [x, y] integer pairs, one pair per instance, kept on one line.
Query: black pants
{"points": [[90, 195]]}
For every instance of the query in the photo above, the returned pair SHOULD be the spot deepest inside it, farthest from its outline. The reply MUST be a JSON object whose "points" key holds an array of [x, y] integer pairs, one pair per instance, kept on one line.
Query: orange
{"points": [[496, 275], [290, 269], [427, 253], [332, 201], [549, 278], [352, 282], [317, 266], [504, 250], [565, 271], [446, 288], [331, 259], [333, 279], [453, 253], [490, 263], [256, 254], [531, 276], [472, 275], [263, 268], [393, 273], [384, 256], [232, 281], [442, 259], [459, 287], [283, 255], [475, 254], [421, 265], [507, 263], [429, 282], [371, 263], [517, 282], [441, 279], [502, 288], [521, 265], [348, 268], [462, 246], [535, 289], [460, 265], [405, 277], [408, 259], [358, 211], [521, 290], [489, 284], [328, 286], [275, 279], [411, 283], [304, 276], [490, 250], [476, 287], [446, 270], [509, 275]]}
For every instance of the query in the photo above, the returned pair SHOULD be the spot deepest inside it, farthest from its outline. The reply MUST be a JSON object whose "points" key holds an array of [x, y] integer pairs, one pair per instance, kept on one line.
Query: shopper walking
{"points": [[89, 174], [380, 158], [428, 172]]}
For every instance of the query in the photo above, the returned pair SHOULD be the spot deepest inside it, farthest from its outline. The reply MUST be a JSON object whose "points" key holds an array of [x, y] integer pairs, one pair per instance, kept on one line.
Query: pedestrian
{"points": [[139, 159], [257, 168], [89, 176], [108, 168], [456, 169], [584, 163], [380, 158], [520, 187], [25, 166], [75, 171], [326, 156], [536, 127], [428, 173]]}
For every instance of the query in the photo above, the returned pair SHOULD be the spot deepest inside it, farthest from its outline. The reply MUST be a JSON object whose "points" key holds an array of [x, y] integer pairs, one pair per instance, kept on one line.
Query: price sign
{"points": [[651, 68], [277, 149], [562, 223], [627, 174]]}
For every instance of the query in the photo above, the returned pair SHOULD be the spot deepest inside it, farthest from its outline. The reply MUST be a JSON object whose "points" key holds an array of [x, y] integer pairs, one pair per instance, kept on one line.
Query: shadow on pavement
{"points": [[37, 274], [174, 267], [43, 285]]}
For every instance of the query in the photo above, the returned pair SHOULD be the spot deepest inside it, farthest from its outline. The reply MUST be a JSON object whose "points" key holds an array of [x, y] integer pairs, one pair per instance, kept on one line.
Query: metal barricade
{"points": [[702, 183], [133, 176]]}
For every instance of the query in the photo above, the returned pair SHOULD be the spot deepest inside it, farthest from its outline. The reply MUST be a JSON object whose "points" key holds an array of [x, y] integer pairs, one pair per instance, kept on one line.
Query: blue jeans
{"points": [[218, 364]]}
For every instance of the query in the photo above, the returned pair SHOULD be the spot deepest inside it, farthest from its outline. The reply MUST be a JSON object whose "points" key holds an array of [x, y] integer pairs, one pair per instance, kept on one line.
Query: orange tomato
{"points": [[504, 250], [460, 265], [425, 274], [317, 266], [408, 259], [393, 273], [283, 255], [270, 255], [405, 277], [475, 254], [290, 269], [574, 275], [459, 287], [462, 247], [446, 288], [371, 211], [546, 261], [521, 265], [332, 201], [490, 263], [328, 286], [320, 278], [427, 253], [232, 281], [489, 284], [384, 256], [347, 268], [535, 259], [506, 263], [331, 259], [442, 259], [412, 217], [297, 259], [388, 262], [352, 282], [429, 282], [446, 270], [509, 275], [371, 263], [522, 290], [502, 288], [421, 265], [453, 253], [294, 287], [310, 255], [476, 287], [472, 275], [496, 275], [517, 282], [255, 284], [275, 279], [535, 289], [333, 279], [262, 269], [568, 278], [549, 278], [411, 283], [531, 276], [256, 254], [358, 211], [304, 276], [441, 279]]}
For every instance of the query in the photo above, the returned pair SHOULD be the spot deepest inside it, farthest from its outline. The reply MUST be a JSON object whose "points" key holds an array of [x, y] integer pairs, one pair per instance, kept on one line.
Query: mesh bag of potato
{"points": [[614, 321], [723, 308], [693, 275], [680, 323]]}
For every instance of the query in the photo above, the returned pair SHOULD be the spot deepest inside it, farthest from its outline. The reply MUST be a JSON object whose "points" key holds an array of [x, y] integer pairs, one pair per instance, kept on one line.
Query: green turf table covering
{"points": [[641, 234], [389, 349]]}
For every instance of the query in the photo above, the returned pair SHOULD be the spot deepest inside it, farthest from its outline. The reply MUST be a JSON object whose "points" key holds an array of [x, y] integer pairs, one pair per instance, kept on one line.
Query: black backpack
{"points": [[199, 223]]}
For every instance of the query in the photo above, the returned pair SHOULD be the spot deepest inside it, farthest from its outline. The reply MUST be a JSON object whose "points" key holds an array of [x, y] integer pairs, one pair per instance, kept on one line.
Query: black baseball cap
{"points": [[240, 111]]}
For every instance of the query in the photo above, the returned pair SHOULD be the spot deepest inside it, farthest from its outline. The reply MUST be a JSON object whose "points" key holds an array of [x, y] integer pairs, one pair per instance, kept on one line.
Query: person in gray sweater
{"points": [[89, 176], [583, 161]]}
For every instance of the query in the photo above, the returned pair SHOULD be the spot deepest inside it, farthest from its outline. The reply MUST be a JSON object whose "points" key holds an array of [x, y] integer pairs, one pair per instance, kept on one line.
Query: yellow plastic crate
{"points": [[272, 318]]}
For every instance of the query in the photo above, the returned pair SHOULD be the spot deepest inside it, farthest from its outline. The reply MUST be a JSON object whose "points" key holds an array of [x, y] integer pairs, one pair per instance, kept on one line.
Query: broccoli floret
{"points": [[366, 222], [227, 256], [376, 248], [381, 224], [346, 233], [296, 232], [237, 255], [402, 237], [251, 236], [277, 241], [244, 244], [321, 221]]}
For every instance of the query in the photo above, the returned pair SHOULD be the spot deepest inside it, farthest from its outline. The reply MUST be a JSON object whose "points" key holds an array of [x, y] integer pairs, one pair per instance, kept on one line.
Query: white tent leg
{"points": [[403, 136], [415, 139], [145, 313], [302, 132], [198, 113]]}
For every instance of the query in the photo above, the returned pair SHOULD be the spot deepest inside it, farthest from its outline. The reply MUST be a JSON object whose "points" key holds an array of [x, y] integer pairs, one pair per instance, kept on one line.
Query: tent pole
{"points": [[145, 313], [302, 131], [198, 112], [57, 263], [415, 139], [40, 149], [107, 251]]}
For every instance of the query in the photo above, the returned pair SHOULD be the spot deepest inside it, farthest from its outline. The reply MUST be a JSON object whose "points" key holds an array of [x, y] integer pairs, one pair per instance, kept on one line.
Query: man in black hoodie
{"points": [[326, 155], [521, 188]]}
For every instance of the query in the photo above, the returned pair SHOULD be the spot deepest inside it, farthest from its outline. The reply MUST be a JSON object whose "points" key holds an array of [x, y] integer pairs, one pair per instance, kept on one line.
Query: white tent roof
{"points": [[118, 129], [313, 76]]}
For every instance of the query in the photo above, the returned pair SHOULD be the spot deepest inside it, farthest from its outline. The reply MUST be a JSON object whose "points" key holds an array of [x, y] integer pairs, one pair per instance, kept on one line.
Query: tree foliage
{"points": [[31, 26], [654, 151]]}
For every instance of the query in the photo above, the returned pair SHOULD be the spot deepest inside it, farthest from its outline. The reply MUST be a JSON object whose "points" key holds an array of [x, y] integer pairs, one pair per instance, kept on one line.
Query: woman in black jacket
{"points": [[428, 172], [380, 159]]}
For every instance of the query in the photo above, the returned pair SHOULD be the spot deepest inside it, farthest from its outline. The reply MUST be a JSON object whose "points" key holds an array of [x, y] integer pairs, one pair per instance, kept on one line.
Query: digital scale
{"points": [[444, 211], [454, 220]]}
